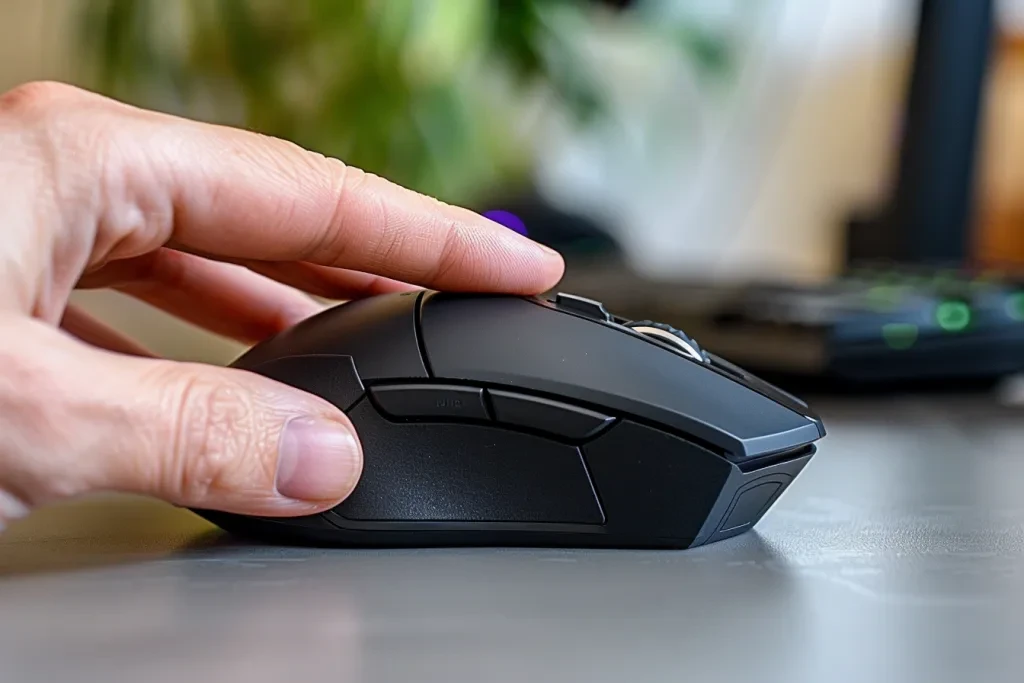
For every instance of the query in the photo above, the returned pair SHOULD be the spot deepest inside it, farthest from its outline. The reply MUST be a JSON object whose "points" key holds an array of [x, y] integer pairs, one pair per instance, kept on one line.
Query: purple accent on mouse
{"points": [[508, 219]]}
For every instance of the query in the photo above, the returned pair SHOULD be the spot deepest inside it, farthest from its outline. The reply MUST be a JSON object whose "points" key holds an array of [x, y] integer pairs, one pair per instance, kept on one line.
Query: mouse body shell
{"points": [[502, 420]]}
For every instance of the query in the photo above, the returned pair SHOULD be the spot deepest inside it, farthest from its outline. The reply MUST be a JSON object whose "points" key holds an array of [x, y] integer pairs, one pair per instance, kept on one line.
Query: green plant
{"points": [[425, 92]]}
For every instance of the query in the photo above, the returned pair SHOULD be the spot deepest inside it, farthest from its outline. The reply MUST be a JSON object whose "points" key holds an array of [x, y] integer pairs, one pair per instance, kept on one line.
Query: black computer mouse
{"points": [[503, 420]]}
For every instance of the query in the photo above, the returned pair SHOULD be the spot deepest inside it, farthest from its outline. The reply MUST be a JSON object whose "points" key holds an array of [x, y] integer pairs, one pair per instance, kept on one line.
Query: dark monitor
{"points": [[929, 217]]}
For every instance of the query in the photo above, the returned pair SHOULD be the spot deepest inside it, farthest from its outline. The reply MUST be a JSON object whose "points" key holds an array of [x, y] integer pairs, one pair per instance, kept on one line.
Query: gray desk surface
{"points": [[898, 556]]}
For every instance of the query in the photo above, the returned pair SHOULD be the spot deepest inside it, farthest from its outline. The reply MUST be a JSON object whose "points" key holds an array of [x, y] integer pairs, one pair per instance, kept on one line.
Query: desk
{"points": [[897, 556]]}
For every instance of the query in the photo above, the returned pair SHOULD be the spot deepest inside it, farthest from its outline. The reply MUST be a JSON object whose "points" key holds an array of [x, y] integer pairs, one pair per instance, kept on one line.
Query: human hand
{"points": [[222, 228]]}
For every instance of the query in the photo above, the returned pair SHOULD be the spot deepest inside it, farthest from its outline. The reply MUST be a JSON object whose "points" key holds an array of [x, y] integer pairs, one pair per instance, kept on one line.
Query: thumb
{"points": [[78, 419]]}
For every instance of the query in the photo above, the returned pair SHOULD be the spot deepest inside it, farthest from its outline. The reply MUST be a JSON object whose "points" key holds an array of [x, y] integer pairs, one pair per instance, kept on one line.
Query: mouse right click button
{"points": [[546, 415]]}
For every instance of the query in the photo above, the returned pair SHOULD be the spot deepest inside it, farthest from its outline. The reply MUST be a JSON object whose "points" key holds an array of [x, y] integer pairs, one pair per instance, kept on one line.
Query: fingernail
{"points": [[548, 250], [318, 460]]}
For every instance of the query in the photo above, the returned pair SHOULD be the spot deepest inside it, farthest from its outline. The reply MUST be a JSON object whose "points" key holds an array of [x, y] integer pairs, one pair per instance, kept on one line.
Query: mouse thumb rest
{"points": [[465, 458]]}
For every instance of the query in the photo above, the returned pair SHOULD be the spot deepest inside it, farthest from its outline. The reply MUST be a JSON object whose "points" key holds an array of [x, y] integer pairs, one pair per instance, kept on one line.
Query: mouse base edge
{"points": [[284, 533]]}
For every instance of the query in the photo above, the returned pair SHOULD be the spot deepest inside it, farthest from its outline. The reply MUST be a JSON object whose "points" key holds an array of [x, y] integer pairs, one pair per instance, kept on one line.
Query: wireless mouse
{"points": [[533, 421]]}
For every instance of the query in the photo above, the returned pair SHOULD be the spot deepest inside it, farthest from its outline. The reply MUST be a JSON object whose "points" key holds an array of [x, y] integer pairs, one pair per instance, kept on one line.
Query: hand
{"points": [[225, 229]]}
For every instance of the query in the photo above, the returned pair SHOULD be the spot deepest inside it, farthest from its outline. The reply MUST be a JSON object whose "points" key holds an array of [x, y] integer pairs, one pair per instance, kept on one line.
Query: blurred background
{"points": [[813, 188]]}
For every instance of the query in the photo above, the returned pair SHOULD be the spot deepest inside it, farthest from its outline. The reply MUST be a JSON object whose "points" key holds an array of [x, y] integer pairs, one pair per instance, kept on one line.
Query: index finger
{"points": [[240, 195]]}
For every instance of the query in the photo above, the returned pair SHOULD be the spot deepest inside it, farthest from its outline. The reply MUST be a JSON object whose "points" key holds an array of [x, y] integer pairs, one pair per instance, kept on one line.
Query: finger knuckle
{"points": [[391, 241], [331, 242], [452, 253], [49, 126], [35, 97], [217, 440]]}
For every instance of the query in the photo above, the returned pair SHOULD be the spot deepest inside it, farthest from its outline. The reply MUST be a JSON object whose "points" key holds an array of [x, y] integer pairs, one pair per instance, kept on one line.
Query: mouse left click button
{"points": [[425, 401]]}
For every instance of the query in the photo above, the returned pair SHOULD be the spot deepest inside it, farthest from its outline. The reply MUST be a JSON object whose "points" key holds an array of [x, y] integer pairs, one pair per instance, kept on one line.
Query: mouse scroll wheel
{"points": [[670, 335]]}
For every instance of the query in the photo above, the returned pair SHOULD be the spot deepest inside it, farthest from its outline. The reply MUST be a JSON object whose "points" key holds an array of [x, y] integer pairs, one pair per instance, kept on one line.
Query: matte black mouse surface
{"points": [[500, 420]]}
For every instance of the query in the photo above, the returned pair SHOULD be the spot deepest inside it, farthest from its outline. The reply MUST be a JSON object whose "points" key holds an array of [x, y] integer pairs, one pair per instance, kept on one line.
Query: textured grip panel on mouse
{"points": [[464, 473]]}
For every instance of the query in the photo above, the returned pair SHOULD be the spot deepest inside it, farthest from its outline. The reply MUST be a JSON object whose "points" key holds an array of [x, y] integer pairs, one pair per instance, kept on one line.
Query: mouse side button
{"points": [[546, 415], [430, 401]]}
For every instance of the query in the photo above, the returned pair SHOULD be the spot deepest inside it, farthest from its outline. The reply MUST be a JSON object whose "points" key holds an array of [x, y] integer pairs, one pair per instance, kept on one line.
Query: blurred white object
{"points": [[759, 179], [1011, 391]]}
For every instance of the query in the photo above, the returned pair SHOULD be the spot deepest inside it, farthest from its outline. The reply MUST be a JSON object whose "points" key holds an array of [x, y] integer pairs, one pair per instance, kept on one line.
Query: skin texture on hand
{"points": [[224, 228]]}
